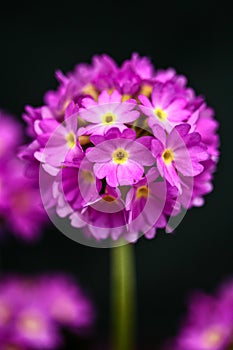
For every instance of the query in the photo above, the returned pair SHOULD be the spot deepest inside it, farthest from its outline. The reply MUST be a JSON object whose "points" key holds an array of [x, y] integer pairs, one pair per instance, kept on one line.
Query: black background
{"points": [[196, 39]]}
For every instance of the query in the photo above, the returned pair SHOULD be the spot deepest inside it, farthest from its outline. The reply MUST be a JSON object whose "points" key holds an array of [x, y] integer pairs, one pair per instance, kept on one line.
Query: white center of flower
{"points": [[120, 156]]}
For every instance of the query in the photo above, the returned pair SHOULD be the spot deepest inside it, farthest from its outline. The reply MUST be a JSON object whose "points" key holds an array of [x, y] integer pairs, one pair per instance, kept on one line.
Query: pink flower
{"points": [[109, 112], [21, 210], [179, 152], [66, 303], [61, 142], [120, 160], [32, 311], [34, 329], [208, 325], [165, 109]]}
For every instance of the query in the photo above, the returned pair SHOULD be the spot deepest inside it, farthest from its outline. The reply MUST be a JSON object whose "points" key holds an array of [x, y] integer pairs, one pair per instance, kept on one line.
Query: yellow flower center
{"points": [[71, 140], [142, 192], [212, 337], [120, 156], [146, 90], [88, 176], [160, 114], [168, 156], [108, 118]]}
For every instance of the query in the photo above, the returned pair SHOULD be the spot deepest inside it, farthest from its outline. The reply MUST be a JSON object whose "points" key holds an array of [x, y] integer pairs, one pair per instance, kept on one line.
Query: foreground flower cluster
{"points": [[21, 210], [32, 311], [209, 323], [125, 148]]}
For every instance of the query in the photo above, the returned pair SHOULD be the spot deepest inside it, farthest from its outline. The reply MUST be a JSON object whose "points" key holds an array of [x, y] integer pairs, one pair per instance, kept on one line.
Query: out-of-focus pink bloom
{"points": [[209, 323], [21, 209], [32, 310]]}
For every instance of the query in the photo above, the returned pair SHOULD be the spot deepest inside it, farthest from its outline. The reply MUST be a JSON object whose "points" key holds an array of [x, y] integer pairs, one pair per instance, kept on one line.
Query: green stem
{"points": [[123, 297]]}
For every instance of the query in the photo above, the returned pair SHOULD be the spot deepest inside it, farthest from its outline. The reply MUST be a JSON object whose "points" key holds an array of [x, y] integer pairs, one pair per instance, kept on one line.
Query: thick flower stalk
{"points": [[33, 310], [123, 149], [21, 209]]}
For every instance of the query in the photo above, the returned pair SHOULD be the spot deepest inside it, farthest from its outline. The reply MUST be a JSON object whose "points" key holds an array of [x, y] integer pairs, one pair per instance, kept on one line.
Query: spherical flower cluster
{"points": [[32, 311], [21, 209], [209, 323], [126, 147]]}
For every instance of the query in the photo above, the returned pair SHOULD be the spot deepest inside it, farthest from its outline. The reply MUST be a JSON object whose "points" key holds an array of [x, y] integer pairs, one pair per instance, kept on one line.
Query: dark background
{"points": [[196, 39]]}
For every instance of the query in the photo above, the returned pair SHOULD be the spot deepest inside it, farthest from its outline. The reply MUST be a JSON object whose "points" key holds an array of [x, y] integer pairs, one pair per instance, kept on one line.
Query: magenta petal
{"points": [[130, 172], [145, 101], [156, 148], [99, 153], [101, 170]]}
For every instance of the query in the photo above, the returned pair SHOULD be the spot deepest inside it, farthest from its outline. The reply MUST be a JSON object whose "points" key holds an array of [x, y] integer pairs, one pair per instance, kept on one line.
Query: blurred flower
{"points": [[121, 121], [32, 310], [21, 209], [209, 323]]}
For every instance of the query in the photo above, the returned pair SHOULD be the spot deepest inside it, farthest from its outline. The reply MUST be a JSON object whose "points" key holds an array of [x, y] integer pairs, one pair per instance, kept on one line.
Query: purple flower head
{"points": [[108, 134]]}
